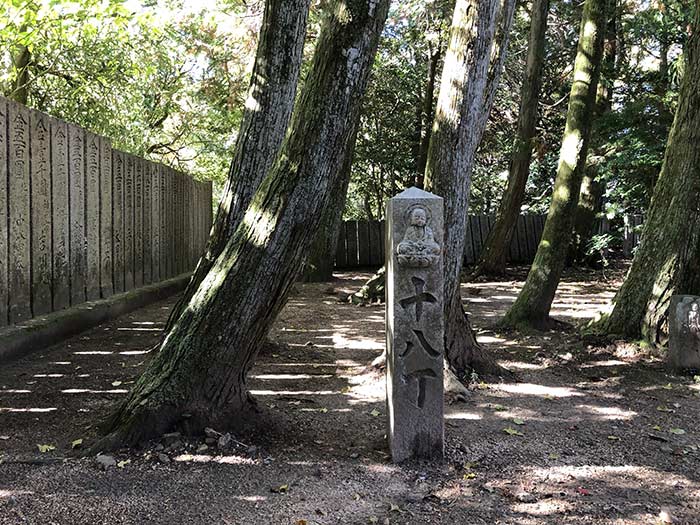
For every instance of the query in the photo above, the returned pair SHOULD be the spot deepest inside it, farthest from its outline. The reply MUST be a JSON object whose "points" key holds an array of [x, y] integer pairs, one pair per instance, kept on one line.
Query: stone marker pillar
{"points": [[684, 333], [415, 325]]}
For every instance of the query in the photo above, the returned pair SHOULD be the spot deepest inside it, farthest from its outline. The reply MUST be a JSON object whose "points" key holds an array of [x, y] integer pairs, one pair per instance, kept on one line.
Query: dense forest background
{"points": [[170, 85]]}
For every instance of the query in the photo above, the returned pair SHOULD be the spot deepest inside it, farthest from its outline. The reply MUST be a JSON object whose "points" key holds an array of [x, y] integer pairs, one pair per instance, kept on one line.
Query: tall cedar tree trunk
{"points": [[532, 306], [427, 113], [273, 86], [668, 259], [472, 68], [320, 261], [199, 376], [495, 250], [590, 198]]}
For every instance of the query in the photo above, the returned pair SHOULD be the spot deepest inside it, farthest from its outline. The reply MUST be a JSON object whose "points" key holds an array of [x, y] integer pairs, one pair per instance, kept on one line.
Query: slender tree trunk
{"points": [[427, 113], [268, 107], [199, 376], [473, 63], [495, 250], [20, 84], [320, 261], [533, 304], [668, 259], [590, 201]]}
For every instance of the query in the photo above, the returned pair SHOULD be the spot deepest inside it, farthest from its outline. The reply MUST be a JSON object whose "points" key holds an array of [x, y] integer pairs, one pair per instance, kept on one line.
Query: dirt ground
{"points": [[586, 434]]}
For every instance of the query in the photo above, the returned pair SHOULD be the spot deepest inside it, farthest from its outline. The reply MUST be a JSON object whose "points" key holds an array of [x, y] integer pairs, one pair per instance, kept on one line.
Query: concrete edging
{"points": [[36, 334]]}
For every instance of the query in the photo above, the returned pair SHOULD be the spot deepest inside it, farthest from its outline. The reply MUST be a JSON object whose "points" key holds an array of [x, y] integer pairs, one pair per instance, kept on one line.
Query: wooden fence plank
{"points": [[4, 237], [522, 239], [382, 239], [363, 243], [341, 253], [106, 211], [19, 211], [351, 243], [375, 244], [40, 212], [92, 215], [468, 245], [477, 240]]}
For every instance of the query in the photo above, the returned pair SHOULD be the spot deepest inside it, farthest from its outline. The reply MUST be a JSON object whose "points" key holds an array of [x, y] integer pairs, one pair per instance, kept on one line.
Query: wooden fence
{"points": [[361, 243], [81, 221]]}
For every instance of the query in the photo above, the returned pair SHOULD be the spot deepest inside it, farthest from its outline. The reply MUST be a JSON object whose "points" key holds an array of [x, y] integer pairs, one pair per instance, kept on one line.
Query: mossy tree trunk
{"points": [[320, 261], [667, 261], [198, 377], [534, 302], [590, 200], [472, 67], [268, 107], [495, 250]]}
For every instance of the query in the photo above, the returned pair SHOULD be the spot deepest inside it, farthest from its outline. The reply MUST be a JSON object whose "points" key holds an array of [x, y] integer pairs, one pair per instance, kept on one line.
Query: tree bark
{"points": [[199, 376], [534, 302], [495, 250], [472, 68], [590, 201], [21, 59], [668, 259], [268, 108], [427, 114], [320, 262]]}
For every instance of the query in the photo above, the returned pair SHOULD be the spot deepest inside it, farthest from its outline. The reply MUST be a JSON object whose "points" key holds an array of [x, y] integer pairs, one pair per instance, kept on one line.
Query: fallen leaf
{"points": [[356, 497], [469, 475], [124, 463], [375, 412], [613, 438], [45, 448], [512, 432], [394, 508], [116, 383], [498, 408], [553, 456], [373, 519], [281, 489], [301, 522], [518, 421], [76, 443], [677, 431], [657, 428], [667, 386], [664, 408]]}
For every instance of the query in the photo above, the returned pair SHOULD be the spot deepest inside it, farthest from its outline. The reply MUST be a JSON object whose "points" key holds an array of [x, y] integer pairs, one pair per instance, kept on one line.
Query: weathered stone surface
{"points": [[684, 333], [155, 222], [92, 215], [138, 221], [19, 220], [41, 212], [59, 215], [129, 222], [78, 243], [147, 234], [3, 215], [415, 325], [118, 248], [106, 232]]}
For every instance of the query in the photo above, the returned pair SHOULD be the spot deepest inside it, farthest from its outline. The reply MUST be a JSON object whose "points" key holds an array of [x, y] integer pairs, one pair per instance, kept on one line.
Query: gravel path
{"points": [[588, 434]]}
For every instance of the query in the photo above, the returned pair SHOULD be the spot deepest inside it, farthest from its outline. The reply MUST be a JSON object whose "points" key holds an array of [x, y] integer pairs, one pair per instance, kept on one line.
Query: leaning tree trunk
{"points": [[495, 250], [668, 259], [473, 63], [427, 113], [534, 302], [320, 261], [199, 376], [268, 107]]}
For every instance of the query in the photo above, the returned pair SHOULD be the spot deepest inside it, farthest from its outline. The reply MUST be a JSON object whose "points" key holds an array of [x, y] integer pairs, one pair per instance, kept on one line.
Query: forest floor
{"points": [[597, 434]]}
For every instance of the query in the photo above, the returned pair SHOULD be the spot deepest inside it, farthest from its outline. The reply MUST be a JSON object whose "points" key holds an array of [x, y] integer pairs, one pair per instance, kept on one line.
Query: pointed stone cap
{"points": [[416, 193]]}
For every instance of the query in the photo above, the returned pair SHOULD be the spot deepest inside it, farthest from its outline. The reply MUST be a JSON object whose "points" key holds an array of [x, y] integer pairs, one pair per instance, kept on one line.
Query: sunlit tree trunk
{"points": [[495, 249], [590, 199], [427, 113], [21, 57], [471, 71], [668, 260], [198, 377], [268, 107], [534, 302]]}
